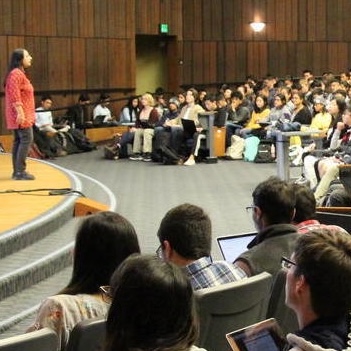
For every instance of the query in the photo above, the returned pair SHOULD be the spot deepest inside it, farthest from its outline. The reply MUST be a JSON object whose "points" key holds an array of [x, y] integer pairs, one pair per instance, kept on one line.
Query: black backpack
{"points": [[264, 153], [169, 156]]}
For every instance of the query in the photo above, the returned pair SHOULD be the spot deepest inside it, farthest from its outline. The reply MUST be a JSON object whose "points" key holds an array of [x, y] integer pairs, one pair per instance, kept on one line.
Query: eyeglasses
{"points": [[159, 252], [250, 208], [287, 263], [106, 293]]}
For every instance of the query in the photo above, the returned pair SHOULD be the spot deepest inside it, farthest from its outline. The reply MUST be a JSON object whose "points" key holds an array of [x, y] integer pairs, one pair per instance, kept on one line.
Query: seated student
{"points": [[273, 208], [144, 129], [318, 286], [152, 309], [300, 114], [212, 103], [322, 118], [101, 113], [189, 111], [238, 116], [279, 114], [322, 172], [259, 114], [185, 239], [78, 115], [43, 117], [103, 241], [130, 112], [305, 211], [162, 130]]}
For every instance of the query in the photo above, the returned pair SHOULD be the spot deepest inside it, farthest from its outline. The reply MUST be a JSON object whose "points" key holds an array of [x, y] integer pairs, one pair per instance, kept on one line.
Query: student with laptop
{"points": [[189, 112], [185, 238], [273, 209]]}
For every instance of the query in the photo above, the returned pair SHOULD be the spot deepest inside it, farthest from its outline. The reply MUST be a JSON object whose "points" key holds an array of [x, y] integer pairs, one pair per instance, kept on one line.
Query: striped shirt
{"points": [[203, 273]]}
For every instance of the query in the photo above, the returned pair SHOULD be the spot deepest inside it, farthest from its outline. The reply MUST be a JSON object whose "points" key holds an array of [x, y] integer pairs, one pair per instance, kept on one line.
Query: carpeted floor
{"points": [[145, 191]]}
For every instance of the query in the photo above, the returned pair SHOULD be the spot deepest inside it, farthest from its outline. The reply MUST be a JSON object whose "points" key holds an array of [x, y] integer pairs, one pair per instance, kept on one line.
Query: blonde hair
{"points": [[149, 98]]}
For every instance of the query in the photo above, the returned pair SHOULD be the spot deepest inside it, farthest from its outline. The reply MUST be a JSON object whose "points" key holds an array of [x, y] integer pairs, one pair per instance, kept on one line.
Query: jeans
{"points": [[23, 139]]}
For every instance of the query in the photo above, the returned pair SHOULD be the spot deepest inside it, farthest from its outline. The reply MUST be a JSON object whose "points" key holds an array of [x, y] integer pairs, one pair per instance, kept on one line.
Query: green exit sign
{"points": [[164, 28]]}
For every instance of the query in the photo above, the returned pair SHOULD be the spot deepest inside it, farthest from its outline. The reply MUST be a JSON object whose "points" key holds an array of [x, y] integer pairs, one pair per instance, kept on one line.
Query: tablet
{"points": [[265, 335]]}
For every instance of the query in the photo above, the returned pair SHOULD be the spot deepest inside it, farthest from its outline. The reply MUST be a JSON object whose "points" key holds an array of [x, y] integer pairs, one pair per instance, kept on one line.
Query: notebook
{"points": [[232, 246], [189, 126]]}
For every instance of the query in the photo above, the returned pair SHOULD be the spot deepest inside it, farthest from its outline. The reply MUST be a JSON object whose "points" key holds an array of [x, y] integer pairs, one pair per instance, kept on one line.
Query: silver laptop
{"points": [[232, 246]]}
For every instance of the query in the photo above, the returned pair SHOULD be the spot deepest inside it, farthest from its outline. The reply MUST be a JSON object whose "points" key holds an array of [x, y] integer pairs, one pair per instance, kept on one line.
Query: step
{"points": [[18, 311], [37, 261], [28, 233]]}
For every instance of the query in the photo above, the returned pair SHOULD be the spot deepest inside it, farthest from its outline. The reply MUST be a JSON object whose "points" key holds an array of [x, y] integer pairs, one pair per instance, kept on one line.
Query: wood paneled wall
{"points": [[90, 44]]}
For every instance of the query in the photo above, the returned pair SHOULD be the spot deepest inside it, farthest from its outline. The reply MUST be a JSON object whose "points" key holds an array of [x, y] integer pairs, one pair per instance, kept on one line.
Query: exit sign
{"points": [[164, 28]]}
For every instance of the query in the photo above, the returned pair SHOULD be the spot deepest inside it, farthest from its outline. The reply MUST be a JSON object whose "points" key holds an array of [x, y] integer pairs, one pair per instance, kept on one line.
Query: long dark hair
{"points": [[16, 61], [131, 108], [265, 103], [103, 241], [152, 307]]}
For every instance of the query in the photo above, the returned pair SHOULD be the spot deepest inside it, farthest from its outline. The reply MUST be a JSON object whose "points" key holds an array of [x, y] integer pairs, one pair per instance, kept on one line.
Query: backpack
{"points": [[169, 156], [264, 153], [251, 148], [67, 142], [82, 142], [34, 152], [236, 149], [111, 152]]}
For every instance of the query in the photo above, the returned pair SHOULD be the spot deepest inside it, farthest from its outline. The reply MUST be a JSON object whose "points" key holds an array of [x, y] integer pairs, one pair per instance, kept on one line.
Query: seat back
{"points": [[40, 340], [231, 306], [332, 217], [87, 335], [277, 309]]}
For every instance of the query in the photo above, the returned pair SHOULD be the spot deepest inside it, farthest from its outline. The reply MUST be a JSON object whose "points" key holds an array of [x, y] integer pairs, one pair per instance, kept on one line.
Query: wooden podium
{"points": [[84, 206]]}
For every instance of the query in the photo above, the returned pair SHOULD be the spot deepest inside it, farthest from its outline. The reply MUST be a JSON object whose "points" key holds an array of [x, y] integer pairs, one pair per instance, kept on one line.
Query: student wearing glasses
{"points": [[103, 241], [272, 212], [318, 287]]}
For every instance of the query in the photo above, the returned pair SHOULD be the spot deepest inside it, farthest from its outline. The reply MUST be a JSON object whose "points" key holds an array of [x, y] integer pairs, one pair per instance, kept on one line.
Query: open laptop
{"points": [[189, 126], [99, 119], [232, 246]]}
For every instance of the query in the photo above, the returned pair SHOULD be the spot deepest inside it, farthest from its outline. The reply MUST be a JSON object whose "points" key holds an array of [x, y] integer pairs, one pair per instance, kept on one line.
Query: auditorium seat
{"points": [[277, 309], [87, 335], [40, 340], [231, 306]]}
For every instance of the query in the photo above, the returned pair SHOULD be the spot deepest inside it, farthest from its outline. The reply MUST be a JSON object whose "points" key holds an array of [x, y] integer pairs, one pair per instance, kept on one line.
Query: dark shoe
{"points": [[136, 157], [147, 157], [23, 176]]}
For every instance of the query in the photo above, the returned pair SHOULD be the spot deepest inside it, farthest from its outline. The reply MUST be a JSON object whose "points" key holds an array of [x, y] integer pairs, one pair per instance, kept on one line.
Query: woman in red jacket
{"points": [[20, 111]]}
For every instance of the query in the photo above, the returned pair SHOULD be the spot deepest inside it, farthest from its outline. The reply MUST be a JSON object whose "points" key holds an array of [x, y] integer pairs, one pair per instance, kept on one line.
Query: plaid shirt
{"points": [[204, 273]]}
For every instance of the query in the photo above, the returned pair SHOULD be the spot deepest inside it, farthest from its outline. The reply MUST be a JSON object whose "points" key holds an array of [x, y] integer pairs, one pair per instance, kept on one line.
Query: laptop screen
{"points": [[232, 246]]}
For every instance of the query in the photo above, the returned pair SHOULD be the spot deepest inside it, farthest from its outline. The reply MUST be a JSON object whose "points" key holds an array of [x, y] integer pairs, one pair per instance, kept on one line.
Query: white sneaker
{"points": [[189, 162]]}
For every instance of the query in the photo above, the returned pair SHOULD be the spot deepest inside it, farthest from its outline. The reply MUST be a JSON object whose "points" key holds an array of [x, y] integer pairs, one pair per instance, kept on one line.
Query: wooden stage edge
{"points": [[19, 208]]}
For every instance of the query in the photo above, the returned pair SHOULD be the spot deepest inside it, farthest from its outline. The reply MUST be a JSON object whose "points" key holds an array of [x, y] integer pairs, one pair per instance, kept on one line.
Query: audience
{"points": [[152, 308], [144, 129], [78, 115], [130, 112], [102, 242], [272, 212], [318, 287], [185, 235], [44, 119], [101, 113], [305, 211]]}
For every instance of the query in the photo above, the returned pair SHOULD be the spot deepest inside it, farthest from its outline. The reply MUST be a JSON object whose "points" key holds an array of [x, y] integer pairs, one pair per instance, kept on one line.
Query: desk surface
{"points": [[300, 133]]}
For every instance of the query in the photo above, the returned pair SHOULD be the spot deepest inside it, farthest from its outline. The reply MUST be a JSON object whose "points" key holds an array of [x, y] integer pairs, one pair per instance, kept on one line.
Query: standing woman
{"points": [[20, 111]]}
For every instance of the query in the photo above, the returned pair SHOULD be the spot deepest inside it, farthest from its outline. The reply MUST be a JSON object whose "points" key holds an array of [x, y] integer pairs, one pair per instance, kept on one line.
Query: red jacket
{"points": [[19, 92]]}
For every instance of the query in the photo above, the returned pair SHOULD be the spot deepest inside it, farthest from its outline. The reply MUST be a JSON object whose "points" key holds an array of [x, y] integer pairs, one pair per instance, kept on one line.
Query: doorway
{"points": [[155, 62]]}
